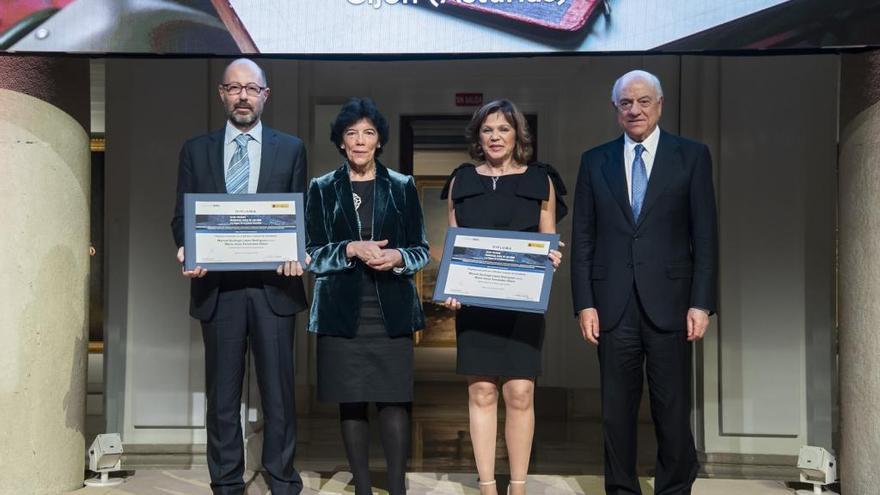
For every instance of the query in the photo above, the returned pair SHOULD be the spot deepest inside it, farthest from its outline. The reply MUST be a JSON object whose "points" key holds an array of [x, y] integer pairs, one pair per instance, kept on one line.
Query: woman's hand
{"points": [[452, 303], [387, 260], [556, 256], [365, 250]]}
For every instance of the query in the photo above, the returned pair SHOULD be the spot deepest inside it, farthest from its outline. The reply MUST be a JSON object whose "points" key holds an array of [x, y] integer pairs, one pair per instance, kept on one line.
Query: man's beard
{"points": [[243, 120]]}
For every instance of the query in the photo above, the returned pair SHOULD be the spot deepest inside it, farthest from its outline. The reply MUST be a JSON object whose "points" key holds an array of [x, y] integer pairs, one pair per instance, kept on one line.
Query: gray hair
{"points": [[635, 75]]}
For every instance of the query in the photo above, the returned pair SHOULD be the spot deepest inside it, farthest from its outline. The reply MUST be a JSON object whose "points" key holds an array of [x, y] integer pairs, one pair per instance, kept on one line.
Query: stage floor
{"points": [[196, 482], [566, 458]]}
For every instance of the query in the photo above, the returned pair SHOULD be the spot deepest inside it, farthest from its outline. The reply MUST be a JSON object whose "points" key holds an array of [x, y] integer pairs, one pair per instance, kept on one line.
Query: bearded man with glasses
{"points": [[241, 308]]}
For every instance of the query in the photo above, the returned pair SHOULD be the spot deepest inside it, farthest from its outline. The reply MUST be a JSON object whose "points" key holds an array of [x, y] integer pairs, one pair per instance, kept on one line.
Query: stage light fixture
{"points": [[105, 457]]}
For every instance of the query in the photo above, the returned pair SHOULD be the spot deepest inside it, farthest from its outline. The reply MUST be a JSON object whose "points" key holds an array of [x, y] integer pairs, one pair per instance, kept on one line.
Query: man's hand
{"points": [[365, 250], [293, 268], [388, 259], [290, 269], [697, 322], [588, 319], [198, 272]]}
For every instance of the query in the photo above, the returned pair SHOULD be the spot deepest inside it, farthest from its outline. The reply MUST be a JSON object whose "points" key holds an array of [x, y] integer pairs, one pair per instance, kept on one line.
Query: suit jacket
{"points": [[331, 223], [669, 253], [282, 170]]}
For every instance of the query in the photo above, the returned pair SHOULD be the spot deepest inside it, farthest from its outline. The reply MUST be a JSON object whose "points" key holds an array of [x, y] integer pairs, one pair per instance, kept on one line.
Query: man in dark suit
{"points": [[237, 307], [644, 258]]}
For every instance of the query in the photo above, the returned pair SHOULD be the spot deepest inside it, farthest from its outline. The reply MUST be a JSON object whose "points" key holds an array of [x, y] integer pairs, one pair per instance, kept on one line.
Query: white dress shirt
{"points": [[629, 155], [254, 149]]}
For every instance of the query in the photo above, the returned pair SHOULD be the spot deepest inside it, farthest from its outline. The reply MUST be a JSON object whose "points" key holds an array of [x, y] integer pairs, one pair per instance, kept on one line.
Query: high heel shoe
{"points": [[515, 482]]}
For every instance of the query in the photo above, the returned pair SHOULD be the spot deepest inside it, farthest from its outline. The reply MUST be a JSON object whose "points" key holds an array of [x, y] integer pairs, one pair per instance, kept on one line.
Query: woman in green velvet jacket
{"points": [[366, 239]]}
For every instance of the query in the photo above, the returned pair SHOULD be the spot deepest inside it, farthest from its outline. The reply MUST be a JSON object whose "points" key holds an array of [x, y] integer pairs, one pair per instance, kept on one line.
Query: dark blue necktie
{"points": [[639, 181]]}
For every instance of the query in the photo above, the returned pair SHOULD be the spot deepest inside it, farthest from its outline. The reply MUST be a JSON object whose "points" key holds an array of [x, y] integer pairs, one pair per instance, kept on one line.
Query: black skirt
{"points": [[371, 366], [495, 342]]}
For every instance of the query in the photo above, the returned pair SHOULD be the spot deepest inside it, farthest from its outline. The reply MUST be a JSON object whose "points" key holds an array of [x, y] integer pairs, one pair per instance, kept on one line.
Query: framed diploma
{"points": [[234, 232], [497, 269]]}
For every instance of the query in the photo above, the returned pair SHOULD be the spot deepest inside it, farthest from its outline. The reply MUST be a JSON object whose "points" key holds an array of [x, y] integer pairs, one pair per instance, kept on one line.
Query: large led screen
{"points": [[432, 27]]}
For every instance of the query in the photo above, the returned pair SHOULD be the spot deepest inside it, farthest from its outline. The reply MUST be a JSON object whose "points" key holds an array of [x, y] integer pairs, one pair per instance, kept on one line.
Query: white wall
{"points": [[772, 125], [152, 106]]}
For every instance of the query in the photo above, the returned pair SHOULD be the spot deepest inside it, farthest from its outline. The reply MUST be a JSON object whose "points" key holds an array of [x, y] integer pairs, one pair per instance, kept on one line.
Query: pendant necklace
{"points": [[495, 181]]}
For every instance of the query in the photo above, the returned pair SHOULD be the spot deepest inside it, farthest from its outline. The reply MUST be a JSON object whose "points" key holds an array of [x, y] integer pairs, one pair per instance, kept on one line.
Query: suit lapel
{"points": [[215, 160], [615, 176], [666, 163], [342, 185], [267, 157], [382, 195]]}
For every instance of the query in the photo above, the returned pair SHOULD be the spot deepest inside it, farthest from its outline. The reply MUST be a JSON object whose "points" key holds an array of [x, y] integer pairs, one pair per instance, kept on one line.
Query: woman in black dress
{"points": [[366, 239], [498, 348]]}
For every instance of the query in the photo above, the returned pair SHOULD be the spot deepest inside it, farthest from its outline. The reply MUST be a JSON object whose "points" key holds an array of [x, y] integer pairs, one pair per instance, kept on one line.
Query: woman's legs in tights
{"points": [[356, 437], [394, 423]]}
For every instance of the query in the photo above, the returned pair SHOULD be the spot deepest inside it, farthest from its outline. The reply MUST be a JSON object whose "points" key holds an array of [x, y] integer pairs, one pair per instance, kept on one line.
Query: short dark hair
{"points": [[523, 149], [356, 109]]}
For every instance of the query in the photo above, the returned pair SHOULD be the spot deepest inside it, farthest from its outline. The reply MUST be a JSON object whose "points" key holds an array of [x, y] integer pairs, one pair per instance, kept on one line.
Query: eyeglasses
{"points": [[235, 88], [626, 105]]}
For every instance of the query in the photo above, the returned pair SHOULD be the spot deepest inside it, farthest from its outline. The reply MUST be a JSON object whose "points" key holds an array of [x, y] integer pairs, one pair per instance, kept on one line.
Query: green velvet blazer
{"points": [[331, 223]]}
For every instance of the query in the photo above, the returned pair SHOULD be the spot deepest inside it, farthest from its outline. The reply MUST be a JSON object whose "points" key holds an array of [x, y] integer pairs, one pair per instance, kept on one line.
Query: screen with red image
{"points": [[565, 16], [14, 11]]}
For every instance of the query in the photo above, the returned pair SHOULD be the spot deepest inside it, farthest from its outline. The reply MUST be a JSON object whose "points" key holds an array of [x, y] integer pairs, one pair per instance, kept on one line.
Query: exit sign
{"points": [[468, 99]]}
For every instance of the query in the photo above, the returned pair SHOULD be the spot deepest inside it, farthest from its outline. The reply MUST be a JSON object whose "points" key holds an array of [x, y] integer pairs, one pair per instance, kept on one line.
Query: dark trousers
{"points": [[623, 351], [243, 315]]}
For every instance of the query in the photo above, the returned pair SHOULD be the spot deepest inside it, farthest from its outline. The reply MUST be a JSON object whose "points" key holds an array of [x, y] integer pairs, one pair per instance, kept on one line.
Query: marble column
{"points": [[859, 253], [44, 241]]}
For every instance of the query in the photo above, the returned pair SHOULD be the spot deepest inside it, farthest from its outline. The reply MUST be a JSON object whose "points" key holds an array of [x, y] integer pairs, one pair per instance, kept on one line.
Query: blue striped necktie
{"points": [[639, 181], [239, 167]]}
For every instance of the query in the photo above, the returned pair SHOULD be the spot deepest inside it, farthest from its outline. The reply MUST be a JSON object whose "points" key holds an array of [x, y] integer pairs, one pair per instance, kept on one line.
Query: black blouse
{"points": [[511, 202]]}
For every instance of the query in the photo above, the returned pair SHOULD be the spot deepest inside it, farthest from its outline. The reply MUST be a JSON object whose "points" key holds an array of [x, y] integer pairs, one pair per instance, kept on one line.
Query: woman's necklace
{"points": [[358, 201], [365, 176], [501, 174]]}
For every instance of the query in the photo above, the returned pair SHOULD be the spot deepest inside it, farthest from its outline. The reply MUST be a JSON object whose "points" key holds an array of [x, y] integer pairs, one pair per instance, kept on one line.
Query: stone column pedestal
{"points": [[859, 253], [44, 241]]}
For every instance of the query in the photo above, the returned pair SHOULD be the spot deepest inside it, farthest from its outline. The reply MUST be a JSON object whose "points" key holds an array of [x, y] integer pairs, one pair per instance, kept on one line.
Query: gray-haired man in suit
{"points": [[644, 263]]}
